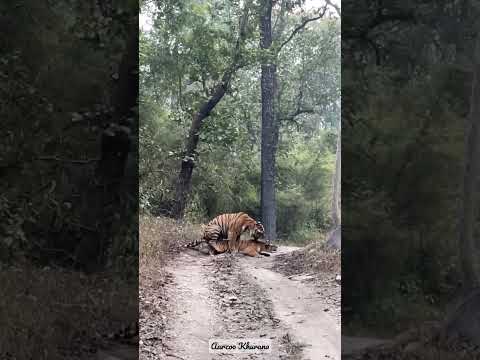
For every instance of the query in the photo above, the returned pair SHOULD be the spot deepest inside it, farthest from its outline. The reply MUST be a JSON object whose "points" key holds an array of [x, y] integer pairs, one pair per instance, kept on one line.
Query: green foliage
{"points": [[399, 201], [182, 59], [309, 75], [305, 173], [59, 82]]}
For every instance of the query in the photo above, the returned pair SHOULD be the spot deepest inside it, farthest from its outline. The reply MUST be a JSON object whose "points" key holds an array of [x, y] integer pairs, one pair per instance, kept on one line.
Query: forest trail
{"points": [[194, 312], [234, 296], [300, 307]]}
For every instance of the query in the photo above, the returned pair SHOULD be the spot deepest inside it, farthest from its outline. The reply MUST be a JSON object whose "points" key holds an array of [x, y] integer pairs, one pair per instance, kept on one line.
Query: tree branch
{"points": [[188, 162], [217, 91], [301, 26], [336, 7], [278, 31], [297, 112]]}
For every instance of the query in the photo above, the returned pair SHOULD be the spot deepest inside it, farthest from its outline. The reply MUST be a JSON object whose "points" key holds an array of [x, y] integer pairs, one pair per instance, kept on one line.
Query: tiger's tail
{"points": [[194, 243]]}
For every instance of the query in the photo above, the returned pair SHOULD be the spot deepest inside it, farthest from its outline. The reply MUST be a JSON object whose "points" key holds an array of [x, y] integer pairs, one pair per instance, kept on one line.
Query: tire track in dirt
{"points": [[211, 298], [299, 307], [247, 312], [233, 296], [193, 313]]}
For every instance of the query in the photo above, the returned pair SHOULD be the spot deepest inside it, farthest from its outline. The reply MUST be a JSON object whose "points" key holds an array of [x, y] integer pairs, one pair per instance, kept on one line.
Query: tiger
{"points": [[230, 227], [247, 247]]}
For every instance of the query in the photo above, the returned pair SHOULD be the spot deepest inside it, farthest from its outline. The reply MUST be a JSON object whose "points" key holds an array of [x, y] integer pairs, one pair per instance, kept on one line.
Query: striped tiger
{"points": [[246, 247], [230, 227]]}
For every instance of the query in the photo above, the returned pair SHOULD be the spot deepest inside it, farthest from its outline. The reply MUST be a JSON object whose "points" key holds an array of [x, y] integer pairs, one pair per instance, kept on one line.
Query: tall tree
{"points": [[270, 128], [336, 215], [188, 161], [337, 183], [269, 124]]}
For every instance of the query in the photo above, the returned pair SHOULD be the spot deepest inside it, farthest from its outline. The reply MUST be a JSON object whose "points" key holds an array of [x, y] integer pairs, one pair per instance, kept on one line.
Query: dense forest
{"points": [[68, 175], [206, 69], [69, 99], [408, 205]]}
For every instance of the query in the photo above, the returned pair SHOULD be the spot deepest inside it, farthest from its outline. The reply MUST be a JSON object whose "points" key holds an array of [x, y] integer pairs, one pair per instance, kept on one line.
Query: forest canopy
{"points": [[407, 70], [184, 53]]}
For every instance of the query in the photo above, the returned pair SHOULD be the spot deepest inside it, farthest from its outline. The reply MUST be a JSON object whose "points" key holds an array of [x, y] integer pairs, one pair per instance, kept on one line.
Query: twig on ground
{"points": [[175, 356]]}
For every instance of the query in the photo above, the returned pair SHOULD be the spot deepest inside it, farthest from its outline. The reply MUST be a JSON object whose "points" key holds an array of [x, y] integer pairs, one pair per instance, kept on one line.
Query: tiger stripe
{"points": [[228, 228]]}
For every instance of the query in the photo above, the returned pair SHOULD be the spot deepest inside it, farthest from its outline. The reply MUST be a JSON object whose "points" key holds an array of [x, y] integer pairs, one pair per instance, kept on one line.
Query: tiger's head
{"points": [[258, 231], [255, 229]]}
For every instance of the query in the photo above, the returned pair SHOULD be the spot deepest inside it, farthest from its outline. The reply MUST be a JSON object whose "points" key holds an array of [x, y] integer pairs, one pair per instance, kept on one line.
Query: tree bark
{"points": [[188, 162], [184, 181], [336, 198], [470, 176], [269, 126], [334, 237]]}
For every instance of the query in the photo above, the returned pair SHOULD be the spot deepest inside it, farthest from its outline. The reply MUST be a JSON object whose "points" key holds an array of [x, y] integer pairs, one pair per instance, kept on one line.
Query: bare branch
{"points": [[279, 25], [237, 63], [301, 26], [336, 7]]}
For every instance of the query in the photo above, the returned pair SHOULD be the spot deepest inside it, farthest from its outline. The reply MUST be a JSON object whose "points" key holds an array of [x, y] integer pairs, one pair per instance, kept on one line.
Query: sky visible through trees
{"points": [[175, 88]]}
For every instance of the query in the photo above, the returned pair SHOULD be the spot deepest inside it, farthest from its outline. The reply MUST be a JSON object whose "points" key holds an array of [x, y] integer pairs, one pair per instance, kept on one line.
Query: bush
{"points": [[161, 237]]}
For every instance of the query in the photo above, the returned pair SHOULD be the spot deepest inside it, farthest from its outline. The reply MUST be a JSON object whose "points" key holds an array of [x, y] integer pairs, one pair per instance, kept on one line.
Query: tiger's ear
{"points": [[244, 227]]}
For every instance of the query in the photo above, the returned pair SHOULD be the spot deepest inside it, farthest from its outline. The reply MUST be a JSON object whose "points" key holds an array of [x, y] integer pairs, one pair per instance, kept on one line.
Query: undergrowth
{"points": [[161, 237], [52, 313]]}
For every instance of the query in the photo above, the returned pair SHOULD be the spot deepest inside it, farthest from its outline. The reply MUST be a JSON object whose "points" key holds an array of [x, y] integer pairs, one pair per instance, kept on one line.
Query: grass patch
{"points": [[303, 237], [161, 238], [293, 348], [315, 258]]}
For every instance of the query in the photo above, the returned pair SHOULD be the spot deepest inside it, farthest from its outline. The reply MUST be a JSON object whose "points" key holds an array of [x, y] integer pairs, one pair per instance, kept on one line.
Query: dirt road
{"points": [[300, 308], [234, 296]]}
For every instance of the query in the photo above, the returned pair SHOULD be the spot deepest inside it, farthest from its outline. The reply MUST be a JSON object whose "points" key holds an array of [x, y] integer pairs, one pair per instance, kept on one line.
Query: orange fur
{"points": [[246, 247], [228, 228]]}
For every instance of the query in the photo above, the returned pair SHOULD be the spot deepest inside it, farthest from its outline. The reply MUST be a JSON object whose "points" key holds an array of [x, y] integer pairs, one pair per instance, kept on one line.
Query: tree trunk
{"points": [[269, 126], [184, 181], [188, 162], [334, 237], [470, 176], [336, 198]]}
